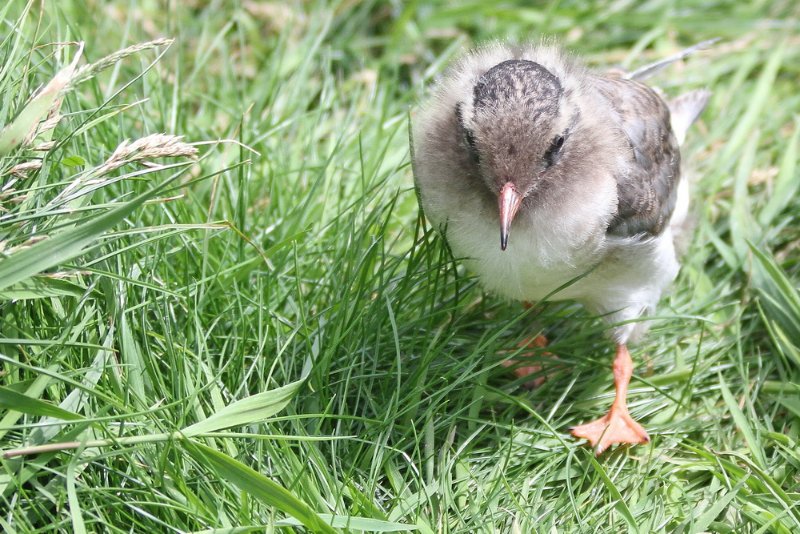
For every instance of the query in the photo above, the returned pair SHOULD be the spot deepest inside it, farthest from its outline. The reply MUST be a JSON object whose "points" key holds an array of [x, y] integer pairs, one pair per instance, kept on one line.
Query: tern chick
{"points": [[577, 173]]}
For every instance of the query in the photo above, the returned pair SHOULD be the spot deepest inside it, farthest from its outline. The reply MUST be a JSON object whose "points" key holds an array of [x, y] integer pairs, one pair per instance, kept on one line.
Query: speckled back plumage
{"points": [[647, 189]]}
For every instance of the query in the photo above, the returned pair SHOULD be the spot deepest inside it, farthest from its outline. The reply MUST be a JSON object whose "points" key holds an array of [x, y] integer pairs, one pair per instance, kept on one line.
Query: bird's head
{"points": [[516, 127]]}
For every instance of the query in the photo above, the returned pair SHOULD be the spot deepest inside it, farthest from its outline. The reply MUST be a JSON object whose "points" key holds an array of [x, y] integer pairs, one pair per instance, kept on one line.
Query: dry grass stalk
{"points": [[45, 103], [140, 151], [147, 148], [44, 147], [22, 169], [88, 71], [46, 125]]}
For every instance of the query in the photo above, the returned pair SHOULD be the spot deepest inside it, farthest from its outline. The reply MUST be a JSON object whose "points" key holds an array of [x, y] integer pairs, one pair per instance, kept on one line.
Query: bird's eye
{"points": [[469, 137], [473, 150], [552, 152]]}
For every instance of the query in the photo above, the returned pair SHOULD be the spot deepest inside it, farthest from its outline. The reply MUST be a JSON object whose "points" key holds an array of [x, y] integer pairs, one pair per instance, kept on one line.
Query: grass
{"points": [[250, 328]]}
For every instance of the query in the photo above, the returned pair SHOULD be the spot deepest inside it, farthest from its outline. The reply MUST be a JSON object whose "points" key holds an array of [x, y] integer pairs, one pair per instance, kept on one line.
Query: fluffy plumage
{"points": [[592, 160], [605, 205]]}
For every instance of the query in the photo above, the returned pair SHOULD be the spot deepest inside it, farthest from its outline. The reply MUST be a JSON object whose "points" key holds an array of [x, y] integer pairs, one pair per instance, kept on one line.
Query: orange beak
{"points": [[509, 204]]}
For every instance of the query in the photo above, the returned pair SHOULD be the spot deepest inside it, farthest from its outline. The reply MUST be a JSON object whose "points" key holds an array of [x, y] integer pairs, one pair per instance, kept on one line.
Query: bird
{"points": [[577, 172]]}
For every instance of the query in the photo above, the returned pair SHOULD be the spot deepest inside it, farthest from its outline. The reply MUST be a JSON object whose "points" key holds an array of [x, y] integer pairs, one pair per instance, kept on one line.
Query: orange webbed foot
{"points": [[616, 426], [525, 371]]}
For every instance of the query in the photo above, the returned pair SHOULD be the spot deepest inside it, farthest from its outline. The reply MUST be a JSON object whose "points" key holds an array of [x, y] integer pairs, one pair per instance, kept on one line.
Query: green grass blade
{"points": [[756, 103], [702, 523], [75, 514], [19, 402], [64, 246], [257, 485], [253, 409], [40, 287], [619, 503], [781, 298], [742, 423], [34, 111], [786, 183], [354, 523]]}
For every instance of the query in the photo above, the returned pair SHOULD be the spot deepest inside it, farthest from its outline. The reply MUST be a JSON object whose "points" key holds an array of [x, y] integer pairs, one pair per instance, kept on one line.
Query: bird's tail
{"points": [[685, 109]]}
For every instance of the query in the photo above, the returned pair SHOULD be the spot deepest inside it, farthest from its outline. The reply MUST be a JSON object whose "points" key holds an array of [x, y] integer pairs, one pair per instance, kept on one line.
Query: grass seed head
{"points": [[148, 148]]}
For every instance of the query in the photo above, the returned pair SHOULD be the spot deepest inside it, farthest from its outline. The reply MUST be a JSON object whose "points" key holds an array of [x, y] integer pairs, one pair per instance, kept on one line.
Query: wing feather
{"points": [[647, 182]]}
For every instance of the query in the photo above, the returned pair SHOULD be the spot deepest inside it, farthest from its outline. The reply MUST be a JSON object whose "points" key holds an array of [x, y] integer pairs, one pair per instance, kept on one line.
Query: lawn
{"points": [[221, 311]]}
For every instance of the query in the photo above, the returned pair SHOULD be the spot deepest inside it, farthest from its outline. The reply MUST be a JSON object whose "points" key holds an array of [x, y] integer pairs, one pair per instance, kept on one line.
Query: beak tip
{"points": [[509, 204]]}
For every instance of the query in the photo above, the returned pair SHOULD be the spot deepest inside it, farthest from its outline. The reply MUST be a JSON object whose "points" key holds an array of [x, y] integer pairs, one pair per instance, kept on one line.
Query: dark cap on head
{"points": [[519, 81], [512, 131]]}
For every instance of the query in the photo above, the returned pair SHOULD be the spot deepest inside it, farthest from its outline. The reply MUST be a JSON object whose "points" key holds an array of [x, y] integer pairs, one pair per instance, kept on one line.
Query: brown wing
{"points": [[647, 185]]}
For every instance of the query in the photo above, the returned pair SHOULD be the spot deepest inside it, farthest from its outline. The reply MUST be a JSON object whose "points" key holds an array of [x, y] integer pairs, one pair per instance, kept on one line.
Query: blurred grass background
{"points": [[264, 334]]}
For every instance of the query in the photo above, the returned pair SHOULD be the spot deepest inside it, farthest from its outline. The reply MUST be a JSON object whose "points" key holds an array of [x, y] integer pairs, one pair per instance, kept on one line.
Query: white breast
{"points": [[548, 246]]}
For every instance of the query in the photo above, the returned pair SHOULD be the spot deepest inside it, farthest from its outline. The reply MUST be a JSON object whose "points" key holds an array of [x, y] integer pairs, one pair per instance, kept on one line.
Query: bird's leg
{"points": [[524, 371], [616, 426]]}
